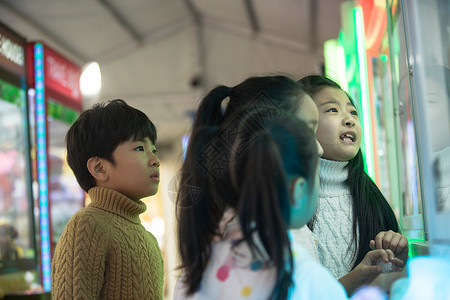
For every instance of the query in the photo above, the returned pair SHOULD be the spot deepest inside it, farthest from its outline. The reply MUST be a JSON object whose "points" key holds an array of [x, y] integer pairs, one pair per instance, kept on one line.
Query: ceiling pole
{"points": [[313, 13], [252, 16], [154, 36], [201, 46], [120, 19]]}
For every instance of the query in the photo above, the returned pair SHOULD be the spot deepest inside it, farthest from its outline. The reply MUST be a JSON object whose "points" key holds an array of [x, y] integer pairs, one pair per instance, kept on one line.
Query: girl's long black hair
{"points": [[264, 163], [205, 189], [371, 211]]}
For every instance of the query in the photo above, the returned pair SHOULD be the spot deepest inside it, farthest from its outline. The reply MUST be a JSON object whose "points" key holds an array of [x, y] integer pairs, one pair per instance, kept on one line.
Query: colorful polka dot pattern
{"points": [[256, 265], [246, 291], [224, 270]]}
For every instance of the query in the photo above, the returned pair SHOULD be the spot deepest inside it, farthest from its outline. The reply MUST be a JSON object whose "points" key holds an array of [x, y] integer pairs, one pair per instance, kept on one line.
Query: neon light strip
{"points": [[364, 96], [42, 166], [335, 62]]}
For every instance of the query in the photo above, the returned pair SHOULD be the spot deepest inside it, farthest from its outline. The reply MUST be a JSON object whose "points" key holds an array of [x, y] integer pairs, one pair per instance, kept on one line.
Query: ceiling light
{"points": [[91, 79]]}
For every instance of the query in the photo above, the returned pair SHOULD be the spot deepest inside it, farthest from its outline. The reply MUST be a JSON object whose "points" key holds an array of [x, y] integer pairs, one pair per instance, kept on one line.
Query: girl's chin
{"points": [[341, 157]]}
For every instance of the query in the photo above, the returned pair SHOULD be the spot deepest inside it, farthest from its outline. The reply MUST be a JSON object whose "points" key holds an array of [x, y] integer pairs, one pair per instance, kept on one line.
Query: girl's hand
{"points": [[393, 241], [384, 281], [368, 269]]}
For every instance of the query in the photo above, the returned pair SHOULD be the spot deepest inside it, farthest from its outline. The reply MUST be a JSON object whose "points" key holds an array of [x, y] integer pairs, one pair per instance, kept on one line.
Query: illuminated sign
{"points": [[12, 51], [61, 75]]}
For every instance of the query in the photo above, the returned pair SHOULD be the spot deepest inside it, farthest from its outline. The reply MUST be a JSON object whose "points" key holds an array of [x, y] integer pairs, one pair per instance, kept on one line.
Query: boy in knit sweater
{"points": [[104, 251]]}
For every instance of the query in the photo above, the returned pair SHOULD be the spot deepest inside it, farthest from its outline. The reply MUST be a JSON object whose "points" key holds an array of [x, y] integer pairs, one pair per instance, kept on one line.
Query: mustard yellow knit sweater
{"points": [[106, 253]]}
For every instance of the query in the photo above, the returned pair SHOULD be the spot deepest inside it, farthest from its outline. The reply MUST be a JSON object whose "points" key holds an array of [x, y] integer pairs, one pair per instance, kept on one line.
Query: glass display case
{"points": [[399, 72], [64, 191], [18, 251], [17, 246], [405, 123], [427, 55]]}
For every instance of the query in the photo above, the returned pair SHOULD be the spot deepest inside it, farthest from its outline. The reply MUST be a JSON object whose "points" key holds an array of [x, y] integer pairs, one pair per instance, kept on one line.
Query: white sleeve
{"points": [[312, 280], [179, 290], [307, 239]]}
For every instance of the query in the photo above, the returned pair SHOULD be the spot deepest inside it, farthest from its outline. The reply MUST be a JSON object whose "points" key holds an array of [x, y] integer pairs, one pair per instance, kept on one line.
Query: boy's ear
{"points": [[298, 190], [96, 167]]}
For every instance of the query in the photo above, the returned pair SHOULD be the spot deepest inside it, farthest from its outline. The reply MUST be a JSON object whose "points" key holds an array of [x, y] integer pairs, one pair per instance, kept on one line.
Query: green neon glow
{"points": [[364, 90], [410, 247], [335, 62], [11, 93], [61, 112]]}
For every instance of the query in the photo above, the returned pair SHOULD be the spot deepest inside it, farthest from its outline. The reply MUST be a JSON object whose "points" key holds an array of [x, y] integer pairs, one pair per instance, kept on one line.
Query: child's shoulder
{"points": [[89, 212], [88, 216], [312, 280]]}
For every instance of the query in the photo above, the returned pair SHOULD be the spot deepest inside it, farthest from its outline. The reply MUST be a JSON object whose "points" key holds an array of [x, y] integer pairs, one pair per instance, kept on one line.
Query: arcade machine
{"points": [[371, 46], [18, 255], [394, 57], [55, 103]]}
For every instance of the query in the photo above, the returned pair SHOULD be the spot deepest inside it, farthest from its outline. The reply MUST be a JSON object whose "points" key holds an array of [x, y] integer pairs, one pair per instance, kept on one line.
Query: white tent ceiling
{"points": [[152, 51]]}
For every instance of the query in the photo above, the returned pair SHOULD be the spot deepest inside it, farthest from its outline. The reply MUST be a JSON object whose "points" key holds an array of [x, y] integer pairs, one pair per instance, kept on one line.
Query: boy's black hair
{"points": [[371, 211], [99, 130]]}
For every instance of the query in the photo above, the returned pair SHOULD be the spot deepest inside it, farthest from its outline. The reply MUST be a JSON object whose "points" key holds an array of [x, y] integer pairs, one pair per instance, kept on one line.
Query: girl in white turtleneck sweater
{"points": [[353, 216], [333, 219]]}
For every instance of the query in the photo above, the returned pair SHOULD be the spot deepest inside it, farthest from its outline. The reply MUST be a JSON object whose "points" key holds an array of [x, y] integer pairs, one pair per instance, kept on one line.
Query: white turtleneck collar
{"points": [[333, 175]]}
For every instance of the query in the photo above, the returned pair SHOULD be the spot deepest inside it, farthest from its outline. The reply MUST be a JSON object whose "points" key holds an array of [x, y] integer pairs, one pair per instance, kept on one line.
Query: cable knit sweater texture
{"points": [[333, 223], [106, 253]]}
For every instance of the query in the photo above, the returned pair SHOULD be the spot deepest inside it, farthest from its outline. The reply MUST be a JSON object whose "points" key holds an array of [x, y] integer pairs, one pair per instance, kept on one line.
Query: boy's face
{"points": [[339, 130], [135, 172]]}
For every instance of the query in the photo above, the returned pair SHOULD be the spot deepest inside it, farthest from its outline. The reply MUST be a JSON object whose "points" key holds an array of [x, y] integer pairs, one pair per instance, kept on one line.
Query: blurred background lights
{"points": [[91, 79], [157, 227]]}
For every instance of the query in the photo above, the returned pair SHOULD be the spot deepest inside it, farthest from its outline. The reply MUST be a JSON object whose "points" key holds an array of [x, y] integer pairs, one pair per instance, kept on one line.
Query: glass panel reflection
{"points": [[16, 231]]}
